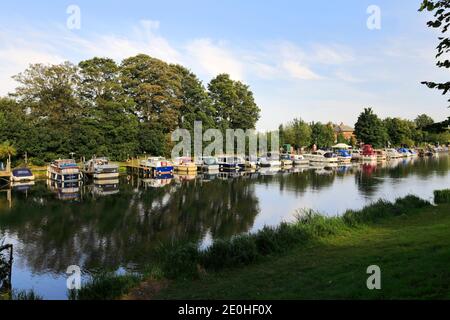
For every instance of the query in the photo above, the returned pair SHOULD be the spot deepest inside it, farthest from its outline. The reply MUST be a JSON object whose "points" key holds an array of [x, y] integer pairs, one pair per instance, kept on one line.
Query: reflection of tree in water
{"points": [[114, 231], [300, 182], [366, 181]]}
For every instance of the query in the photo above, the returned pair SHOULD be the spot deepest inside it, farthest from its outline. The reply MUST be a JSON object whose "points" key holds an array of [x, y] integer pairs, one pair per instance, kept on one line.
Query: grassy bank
{"points": [[316, 257]]}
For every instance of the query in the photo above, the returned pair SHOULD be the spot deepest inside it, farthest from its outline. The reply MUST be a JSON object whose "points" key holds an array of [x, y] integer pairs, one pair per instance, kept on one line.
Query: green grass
{"points": [[106, 287], [316, 257], [411, 250]]}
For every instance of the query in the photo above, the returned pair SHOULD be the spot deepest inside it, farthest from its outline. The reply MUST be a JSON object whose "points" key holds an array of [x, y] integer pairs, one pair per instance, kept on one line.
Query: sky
{"points": [[318, 61]]}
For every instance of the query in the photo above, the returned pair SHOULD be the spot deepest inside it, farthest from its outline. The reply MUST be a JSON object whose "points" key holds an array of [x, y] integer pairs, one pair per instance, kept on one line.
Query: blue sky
{"points": [[316, 61]]}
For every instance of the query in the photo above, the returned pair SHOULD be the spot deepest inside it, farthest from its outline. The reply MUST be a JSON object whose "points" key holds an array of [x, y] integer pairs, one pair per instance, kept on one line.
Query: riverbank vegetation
{"points": [[369, 129], [99, 107], [196, 273]]}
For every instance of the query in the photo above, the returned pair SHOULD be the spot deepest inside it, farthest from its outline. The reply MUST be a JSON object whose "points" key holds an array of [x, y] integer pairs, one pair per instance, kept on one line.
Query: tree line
{"points": [[102, 108], [369, 129]]}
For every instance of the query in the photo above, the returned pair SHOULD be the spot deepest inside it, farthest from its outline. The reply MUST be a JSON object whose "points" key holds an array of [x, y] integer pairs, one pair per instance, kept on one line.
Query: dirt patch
{"points": [[147, 290]]}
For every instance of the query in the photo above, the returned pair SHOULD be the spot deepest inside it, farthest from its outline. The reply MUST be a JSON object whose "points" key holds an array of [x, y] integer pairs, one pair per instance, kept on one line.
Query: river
{"points": [[115, 227]]}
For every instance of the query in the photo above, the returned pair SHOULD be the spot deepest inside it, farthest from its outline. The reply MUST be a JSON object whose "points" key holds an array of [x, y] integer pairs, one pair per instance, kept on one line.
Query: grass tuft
{"points": [[442, 196], [105, 287]]}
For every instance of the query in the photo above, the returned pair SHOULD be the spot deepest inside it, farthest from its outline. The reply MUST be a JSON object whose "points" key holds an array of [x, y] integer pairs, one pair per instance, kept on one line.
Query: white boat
{"points": [[322, 157], [356, 155], [381, 155], [22, 175], [231, 163], [208, 164], [344, 157], [157, 166], [369, 154], [393, 154], [299, 160], [185, 165], [64, 170], [251, 162], [101, 168], [286, 160]]}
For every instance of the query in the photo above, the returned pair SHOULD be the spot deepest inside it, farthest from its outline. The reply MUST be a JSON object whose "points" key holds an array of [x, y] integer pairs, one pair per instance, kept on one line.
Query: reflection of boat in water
{"points": [[106, 187], [206, 177], [22, 186], [68, 190], [369, 168], [158, 182], [64, 170], [185, 177], [21, 175], [101, 168], [269, 171]]}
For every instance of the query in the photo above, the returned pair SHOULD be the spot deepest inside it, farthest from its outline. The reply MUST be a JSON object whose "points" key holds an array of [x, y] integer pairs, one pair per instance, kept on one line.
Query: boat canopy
{"points": [[344, 153], [22, 172]]}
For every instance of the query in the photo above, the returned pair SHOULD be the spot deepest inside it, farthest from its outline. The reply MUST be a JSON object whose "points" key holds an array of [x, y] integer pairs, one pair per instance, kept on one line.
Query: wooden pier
{"points": [[5, 175]]}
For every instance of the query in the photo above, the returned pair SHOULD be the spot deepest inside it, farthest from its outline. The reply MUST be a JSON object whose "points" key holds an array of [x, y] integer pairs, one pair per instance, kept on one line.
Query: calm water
{"points": [[53, 228]]}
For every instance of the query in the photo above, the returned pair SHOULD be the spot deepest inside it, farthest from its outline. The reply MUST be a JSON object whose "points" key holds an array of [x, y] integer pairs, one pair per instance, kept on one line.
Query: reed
{"points": [[442, 196]]}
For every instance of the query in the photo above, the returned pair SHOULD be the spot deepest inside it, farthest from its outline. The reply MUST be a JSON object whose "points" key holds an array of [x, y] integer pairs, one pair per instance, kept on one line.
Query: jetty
{"points": [[5, 173]]}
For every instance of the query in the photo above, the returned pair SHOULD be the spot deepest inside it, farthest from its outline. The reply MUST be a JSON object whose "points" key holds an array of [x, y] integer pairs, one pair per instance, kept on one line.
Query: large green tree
{"points": [[234, 104], [369, 129]]}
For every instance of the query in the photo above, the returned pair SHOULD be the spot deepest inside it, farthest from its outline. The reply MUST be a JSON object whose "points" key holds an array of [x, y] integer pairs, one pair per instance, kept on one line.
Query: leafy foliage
{"points": [[441, 14], [101, 108]]}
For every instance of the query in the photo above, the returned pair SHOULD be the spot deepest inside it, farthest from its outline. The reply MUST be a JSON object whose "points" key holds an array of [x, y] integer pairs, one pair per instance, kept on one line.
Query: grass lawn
{"points": [[413, 252]]}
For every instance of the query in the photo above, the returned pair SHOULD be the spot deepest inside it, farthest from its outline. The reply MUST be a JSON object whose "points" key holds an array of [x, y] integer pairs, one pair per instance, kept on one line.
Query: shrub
{"points": [[442, 196], [106, 287], [179, 260]]}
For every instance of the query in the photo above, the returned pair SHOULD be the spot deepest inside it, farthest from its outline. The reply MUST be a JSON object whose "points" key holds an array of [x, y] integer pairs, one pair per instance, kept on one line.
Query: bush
{"points": [[106, 287], [442, 196], [179, 260]]}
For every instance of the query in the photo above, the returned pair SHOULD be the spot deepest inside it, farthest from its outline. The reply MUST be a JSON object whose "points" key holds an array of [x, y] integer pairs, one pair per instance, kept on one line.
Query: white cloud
{"points": [[298, 71], [214, 58]]}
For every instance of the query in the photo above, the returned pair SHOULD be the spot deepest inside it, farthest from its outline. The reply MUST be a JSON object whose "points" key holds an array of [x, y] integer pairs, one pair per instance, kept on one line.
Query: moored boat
{"points": [[356, 155], [184, 165], [392, 153], [286, 160], [251, 162], [321, 156], [157, 166], [208, 164], [344, 156], [64, 170], [381, 155], [22, 175], [299, 160], [101, 168], [369, 154]]}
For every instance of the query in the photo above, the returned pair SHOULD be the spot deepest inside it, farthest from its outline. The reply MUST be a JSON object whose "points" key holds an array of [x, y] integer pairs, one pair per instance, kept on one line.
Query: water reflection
{"points": [[116, 224]]}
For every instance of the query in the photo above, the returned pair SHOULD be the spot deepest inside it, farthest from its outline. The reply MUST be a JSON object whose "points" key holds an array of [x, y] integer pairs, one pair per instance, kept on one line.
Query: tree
{"points": [[441, 9], [370, 130], [322, 135], [7, 150], [399, 131], [422, 121], [234, 103]]}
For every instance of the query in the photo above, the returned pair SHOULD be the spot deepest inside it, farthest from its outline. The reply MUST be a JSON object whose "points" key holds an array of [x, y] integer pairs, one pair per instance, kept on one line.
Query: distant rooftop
{"points": [[343, 128]]}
